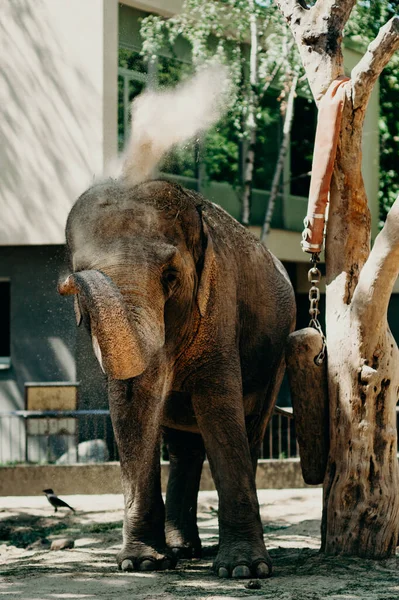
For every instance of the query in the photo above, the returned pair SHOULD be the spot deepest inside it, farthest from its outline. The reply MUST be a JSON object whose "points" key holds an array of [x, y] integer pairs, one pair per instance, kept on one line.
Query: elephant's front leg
{"points": [[220, 416], [135, 413]]}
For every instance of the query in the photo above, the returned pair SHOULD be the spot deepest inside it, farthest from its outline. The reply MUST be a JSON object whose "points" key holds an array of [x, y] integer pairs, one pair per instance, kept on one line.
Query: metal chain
{"points": [[314, 276]]}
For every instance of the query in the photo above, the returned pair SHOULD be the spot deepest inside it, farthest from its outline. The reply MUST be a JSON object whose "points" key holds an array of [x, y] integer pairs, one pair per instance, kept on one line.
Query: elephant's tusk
{"points": [[97, 351]]}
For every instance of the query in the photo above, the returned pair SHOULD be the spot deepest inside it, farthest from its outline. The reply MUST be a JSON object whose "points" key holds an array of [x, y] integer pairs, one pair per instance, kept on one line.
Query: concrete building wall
{"points": [[43, 329], [30, 480], [58, 101], [43, 334], [46, 345]]}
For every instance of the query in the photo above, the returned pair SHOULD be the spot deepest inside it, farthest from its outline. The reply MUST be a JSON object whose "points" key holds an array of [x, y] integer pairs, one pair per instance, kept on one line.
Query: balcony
{"points": [[288, 214]]}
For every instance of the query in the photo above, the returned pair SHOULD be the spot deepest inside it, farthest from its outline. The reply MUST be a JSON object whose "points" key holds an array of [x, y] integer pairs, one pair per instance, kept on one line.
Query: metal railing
{"points": [[56, 437], [74, 436], [68, 437], [280, 439]]}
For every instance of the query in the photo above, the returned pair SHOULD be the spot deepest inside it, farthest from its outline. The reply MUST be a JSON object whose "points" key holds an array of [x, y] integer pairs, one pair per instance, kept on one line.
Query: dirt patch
{"points": [[291, 524]]}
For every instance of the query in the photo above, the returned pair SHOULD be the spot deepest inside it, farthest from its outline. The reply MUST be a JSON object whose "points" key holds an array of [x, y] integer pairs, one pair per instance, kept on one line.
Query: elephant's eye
{"points": [[170, 278]]}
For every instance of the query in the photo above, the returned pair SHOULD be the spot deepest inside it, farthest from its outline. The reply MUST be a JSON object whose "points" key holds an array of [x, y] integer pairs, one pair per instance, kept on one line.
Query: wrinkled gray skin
{"points": [[188, 314]]}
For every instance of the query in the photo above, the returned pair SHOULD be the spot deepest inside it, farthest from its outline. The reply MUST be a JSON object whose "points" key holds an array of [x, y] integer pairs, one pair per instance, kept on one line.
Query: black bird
{"points": [[55, 501]]}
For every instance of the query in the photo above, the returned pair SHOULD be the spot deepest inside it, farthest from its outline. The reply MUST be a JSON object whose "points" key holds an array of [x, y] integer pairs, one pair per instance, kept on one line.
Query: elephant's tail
{"points": [[163, 118]]}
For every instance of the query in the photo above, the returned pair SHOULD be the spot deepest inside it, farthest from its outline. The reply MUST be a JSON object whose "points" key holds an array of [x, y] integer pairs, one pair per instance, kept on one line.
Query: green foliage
{"points": [[222, 153], [129, 59], [366, 19]]}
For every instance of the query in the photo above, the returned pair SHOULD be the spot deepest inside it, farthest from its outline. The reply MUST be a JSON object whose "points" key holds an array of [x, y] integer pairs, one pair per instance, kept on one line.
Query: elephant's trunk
{"points": [[124, 340]]}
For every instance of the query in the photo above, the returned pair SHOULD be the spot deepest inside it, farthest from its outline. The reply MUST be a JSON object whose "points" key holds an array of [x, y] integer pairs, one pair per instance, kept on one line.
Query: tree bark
{"points": [[289, 116], [361, 507], [361, 503]]}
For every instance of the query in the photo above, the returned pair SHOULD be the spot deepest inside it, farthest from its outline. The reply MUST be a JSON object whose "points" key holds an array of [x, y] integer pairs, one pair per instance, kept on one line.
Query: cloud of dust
{"points": [[164, 118]]}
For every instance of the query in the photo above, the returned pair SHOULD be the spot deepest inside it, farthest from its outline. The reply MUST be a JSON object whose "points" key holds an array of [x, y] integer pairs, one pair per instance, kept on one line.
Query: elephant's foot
{"points": [[184, 546], [240, 560], [138, 556]]}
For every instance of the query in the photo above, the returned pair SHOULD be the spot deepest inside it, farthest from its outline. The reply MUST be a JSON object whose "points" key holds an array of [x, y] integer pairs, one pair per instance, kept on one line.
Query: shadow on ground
{"points": [[89, 570]]}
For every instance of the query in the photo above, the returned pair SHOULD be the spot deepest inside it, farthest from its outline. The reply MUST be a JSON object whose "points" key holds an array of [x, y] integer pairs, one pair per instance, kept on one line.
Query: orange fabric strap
{"points": [[325, 149]]}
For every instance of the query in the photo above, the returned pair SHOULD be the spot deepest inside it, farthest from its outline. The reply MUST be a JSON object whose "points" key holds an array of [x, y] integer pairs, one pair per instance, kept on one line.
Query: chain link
{"points": [[314, 277]]}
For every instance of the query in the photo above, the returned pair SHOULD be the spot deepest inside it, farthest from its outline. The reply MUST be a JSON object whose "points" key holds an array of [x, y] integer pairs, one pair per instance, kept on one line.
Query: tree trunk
{"points": [[361, 507], [251, 120], [361, 500], [361, 503], [289, 116]]}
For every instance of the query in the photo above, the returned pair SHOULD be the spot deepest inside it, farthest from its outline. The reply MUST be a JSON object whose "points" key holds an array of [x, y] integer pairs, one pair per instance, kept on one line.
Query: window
{"points": [[5, 341], [132, 78], [268, 142], [302, 140]]}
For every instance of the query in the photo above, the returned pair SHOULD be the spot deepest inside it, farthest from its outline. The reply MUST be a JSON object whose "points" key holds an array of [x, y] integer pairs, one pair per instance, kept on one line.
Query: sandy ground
{"points": [[291, 521]]}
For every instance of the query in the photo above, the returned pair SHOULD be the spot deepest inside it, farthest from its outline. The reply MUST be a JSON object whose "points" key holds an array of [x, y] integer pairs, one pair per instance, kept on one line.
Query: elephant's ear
{"points": [[208, 271]]}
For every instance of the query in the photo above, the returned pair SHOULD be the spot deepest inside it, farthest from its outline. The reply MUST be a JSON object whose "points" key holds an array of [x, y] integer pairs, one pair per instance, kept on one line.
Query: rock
{"points": [[92, 451], [62, 544], [253, 584], [42, 544]]}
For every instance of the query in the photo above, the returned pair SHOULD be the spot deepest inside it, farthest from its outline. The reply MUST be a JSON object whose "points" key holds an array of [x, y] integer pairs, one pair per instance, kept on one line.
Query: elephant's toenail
{"points": [[127, 565], [147, 565], [263, 570], [241, 572], [223, 572]]}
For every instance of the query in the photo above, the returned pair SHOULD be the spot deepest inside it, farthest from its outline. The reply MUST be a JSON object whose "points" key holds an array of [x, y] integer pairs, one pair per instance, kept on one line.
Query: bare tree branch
{"points": [[377, 278], [378, 54]]}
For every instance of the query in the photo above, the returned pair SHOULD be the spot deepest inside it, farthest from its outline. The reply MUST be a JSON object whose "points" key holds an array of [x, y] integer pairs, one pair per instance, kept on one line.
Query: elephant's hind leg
{"points": [[220, 416], [256, 423], [186, 456]]}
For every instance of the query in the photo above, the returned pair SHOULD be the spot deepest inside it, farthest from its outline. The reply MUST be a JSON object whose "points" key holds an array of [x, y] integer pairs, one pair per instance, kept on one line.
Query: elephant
{"points": [[188, 314]]}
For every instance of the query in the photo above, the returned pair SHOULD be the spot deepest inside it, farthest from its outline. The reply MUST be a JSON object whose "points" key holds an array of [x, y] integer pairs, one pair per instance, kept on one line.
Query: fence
{"points": [[67, 437], [280, 438], [56, 437]]}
